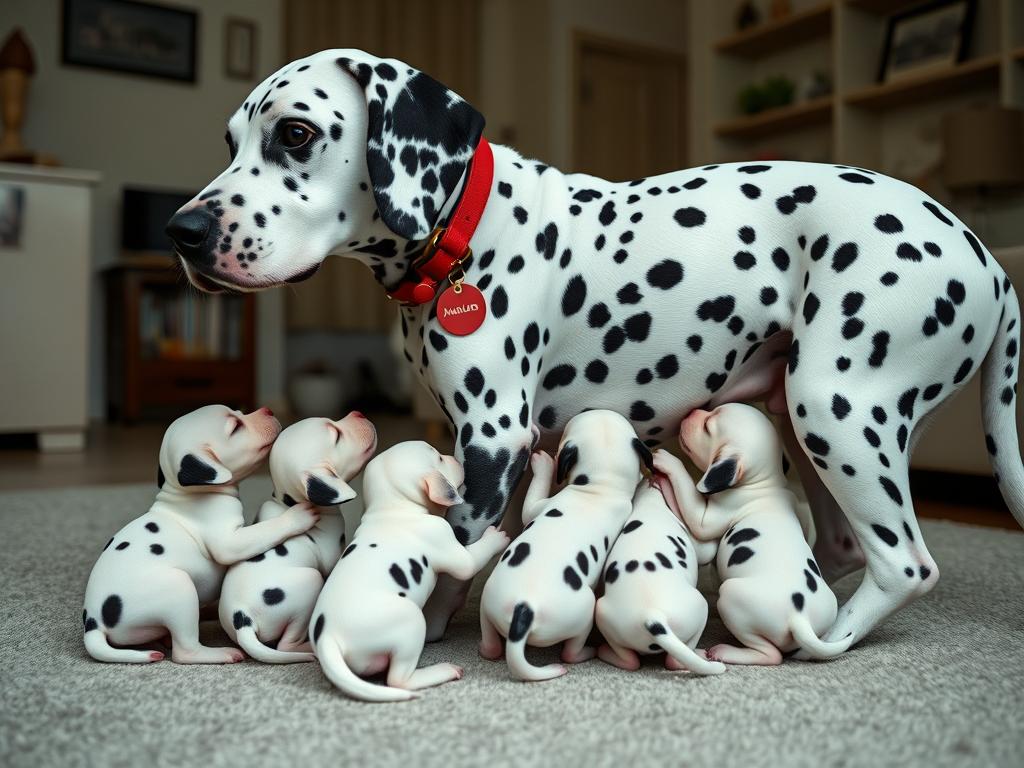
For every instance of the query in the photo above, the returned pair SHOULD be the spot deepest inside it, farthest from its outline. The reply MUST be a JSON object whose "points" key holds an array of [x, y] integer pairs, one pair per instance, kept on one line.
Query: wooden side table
{"points": [[171, 347]]}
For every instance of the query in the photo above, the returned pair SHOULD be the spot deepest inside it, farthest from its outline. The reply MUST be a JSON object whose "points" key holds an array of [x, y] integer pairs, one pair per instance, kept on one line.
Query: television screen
{"points": [[144, 214]]}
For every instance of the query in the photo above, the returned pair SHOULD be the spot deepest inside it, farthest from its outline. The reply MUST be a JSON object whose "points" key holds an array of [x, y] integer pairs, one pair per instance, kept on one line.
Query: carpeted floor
{"points": [[940, 684]]}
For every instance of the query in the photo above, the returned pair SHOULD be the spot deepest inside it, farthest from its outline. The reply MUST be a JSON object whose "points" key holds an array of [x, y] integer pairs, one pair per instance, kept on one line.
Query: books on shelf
{"points": [[176, 326]]}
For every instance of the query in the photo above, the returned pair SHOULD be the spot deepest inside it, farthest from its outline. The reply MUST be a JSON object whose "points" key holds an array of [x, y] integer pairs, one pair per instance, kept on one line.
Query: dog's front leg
{"points": [[494, 443]]}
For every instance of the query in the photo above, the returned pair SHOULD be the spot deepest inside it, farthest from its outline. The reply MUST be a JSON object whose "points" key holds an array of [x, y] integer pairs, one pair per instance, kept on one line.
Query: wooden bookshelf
{"points": [[978, 73], [793, 117], [164, 355], [773, 36]]}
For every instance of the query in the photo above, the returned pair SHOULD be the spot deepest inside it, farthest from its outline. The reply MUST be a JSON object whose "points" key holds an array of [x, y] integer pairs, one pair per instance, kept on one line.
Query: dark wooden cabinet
{"points": [[171, 348]]}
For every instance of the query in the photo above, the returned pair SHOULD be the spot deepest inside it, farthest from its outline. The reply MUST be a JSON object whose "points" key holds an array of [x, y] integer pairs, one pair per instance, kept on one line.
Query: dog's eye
{"points": [[295, 134], [234, 424]]}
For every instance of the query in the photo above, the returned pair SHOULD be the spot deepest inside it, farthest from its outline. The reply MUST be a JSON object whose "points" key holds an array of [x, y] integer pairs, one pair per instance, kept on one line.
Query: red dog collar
{"points": [[448, 246]]}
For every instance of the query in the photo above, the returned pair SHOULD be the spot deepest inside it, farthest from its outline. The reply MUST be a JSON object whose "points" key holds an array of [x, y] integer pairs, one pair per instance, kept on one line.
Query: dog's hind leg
{"points": [[857, 439], [405, 656], [181, 611], [835, 548]]}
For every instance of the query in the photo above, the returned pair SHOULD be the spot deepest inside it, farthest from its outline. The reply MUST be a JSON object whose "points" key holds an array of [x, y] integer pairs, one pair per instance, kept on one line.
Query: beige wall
{"points": [[526, 52], [144, 131]]}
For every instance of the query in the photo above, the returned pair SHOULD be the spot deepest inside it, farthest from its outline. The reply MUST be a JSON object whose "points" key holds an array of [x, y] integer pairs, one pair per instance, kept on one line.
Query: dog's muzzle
{"points": [[191, 232]]}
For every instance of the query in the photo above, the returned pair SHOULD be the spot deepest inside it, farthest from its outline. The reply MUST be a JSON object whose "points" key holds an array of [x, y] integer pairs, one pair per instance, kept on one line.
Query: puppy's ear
{"points": [[440, 491], [567, 458], [326, 490], [644, 453], [202, 469], [419, 138], [724, 472]]}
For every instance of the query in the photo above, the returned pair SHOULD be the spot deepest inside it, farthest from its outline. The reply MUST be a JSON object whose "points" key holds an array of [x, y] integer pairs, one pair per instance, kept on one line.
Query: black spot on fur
{"points": [[111, 610], [739, 556]]}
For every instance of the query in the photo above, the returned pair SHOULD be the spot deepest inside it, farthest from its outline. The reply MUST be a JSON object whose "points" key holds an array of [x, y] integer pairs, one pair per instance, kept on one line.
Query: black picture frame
{"points": [[129, 36], [966, 27]]}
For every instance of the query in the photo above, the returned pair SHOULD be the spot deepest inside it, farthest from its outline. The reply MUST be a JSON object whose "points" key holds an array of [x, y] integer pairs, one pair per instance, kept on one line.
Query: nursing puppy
{"points": [[154, 573], [542, 590], [369, 617], [650, 602], [270, 597], [772, 596]]}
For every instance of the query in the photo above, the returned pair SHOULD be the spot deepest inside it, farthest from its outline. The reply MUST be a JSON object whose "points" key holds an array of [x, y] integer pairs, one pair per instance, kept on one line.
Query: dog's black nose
{"points": [[190, 231]]}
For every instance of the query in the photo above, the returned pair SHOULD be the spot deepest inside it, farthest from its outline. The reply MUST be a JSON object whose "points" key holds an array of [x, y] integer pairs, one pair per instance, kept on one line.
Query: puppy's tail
{"points": [[813, 646], [96, 645], [998, 412], [515, 649], [663, 635], [251, 644], [332, 661]]}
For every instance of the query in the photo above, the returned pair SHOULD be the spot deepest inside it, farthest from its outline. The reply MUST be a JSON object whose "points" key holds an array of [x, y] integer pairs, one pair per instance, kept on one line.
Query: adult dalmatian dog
{"points": [[851, 302]]}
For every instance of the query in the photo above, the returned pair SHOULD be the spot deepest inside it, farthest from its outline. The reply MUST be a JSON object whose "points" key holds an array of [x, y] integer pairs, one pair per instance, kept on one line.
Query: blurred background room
{"points": [[113, 115]]}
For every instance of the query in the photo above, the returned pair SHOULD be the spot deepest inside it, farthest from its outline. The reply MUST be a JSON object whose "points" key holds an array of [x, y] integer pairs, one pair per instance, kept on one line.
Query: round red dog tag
{"points": [[461, 309]]}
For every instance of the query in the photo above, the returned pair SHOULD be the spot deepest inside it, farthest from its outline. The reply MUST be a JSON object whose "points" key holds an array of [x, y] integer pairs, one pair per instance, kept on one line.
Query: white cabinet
{"points": [[44, 306]]}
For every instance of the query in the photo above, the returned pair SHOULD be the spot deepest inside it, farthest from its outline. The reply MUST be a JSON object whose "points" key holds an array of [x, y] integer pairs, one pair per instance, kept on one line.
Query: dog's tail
{"points": [[332, 661], [515, 649], [813, 646], [251, 644], [663, 635], [998, 385], [96, 645]]}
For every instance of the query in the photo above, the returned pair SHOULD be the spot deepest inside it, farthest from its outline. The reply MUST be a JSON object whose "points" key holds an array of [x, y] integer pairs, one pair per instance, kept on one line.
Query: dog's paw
{"points": [[664, 462], [541, 461], [301, 517], [495, 538]]}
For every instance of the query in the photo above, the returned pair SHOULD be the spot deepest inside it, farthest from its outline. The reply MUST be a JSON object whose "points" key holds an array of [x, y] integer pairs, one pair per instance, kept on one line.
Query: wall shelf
{"points": [[910, 89], [773, 36], [882, 7], [771, 121]]}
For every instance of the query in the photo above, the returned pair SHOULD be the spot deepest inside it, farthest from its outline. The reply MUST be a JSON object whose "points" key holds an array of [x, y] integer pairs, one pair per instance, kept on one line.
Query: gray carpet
{"points": [[940, 684]]}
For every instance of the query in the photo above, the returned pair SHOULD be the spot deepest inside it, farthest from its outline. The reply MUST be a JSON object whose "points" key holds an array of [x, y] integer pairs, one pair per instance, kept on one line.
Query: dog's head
{"points": [[337, 153], [215, 446], [414, 472], [601, 447], [314, 459], [734, 443]]}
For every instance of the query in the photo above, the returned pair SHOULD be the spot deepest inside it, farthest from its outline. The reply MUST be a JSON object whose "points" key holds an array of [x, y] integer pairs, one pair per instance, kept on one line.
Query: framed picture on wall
{"points": [[935, 35], [129, 36], [240, 49]]}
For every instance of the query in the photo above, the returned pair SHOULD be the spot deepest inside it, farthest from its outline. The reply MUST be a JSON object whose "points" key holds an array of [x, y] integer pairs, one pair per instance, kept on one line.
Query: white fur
{"points": [[772, 596], [369, 616], [270, 597], [155, 572]]}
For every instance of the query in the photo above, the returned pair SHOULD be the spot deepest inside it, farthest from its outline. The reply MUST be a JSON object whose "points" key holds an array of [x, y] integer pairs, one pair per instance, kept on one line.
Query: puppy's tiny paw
{"points": [[303, 516], [541, 460]]}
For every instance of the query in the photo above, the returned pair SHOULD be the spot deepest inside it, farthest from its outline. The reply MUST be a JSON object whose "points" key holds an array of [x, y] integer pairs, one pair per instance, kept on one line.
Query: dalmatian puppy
{"points": [[852, 303], [541, 592], [772, 596], [154, 574], [270, 596], [369, 616], [651, 603]]}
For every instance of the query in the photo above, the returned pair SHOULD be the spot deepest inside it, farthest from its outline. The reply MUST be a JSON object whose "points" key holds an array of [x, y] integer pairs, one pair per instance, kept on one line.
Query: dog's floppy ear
{"points": [[644, 453], [419, 138], [202, 469], [567, 458], [724, 472], [440, 491], [326, 490]]}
